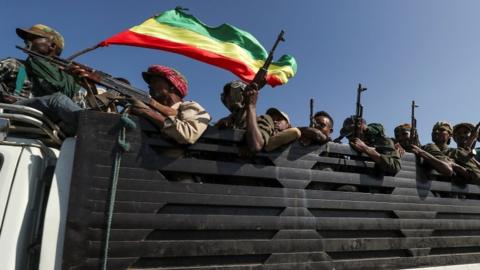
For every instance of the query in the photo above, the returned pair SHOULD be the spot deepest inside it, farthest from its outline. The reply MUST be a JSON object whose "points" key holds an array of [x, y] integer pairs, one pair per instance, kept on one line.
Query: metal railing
{"points": [[30, 122]]}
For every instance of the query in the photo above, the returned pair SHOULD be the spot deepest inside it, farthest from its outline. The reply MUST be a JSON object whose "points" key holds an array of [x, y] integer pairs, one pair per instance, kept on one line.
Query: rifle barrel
{"points": [[311, 113]]}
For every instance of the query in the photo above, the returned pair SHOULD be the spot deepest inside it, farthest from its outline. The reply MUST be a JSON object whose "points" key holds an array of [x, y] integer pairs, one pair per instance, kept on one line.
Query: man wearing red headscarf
{"points": [[183, 121]]}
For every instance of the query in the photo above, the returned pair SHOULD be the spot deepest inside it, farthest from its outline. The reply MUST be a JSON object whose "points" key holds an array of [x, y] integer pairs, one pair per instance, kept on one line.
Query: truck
{"points": [[115, 198]]}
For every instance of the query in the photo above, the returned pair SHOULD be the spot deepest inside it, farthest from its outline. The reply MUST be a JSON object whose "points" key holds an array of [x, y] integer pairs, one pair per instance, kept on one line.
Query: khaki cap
{"points": [[277, 111], [40, 30]]}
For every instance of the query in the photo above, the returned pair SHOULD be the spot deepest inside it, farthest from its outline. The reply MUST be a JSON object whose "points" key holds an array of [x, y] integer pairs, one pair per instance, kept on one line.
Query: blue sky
{"points": [[400, 49]]}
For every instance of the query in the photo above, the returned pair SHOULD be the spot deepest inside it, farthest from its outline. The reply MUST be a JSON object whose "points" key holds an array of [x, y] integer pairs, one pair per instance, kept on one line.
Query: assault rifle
{"points": [[357, 118], [358, 112], [106, 80], [260, 76], [414, 140], [312, 121]]}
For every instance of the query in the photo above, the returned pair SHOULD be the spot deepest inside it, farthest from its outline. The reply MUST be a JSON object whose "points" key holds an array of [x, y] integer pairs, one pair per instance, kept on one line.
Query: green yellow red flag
{"points": [[224, 46]]}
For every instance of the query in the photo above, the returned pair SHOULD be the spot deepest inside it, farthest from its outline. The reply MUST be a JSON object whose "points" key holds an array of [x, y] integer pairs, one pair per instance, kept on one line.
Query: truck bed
{"points": [[277, 210]]}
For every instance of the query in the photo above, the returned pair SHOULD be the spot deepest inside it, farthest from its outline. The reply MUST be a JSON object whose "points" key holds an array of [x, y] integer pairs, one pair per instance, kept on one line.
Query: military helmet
{"points": [[443, 125]]}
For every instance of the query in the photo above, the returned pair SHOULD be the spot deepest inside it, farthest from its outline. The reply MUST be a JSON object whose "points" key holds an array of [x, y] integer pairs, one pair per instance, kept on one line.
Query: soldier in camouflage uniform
{"points": [[439, 150], [52, 87], [14, 82], [441, 137], [402, 138], [463, 156], [283, 133], [373, 142], [403, 143], [461, 161], [234, 99]]}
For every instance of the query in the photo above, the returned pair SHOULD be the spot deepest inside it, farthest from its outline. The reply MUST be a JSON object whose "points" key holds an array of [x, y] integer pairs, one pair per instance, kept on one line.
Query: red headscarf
{"points": [[172, 75]]}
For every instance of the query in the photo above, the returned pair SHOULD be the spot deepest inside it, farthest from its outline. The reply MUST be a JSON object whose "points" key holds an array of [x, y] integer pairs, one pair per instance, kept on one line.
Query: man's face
{"points": [[440, 136], [323, 124], [162, 91], [233, 99], [403, 137], [40, 45], [279, 122], [461, 136]]}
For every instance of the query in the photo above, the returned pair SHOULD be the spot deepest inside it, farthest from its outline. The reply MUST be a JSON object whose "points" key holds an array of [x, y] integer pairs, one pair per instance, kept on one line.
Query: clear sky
{"points": [[400, 49]]}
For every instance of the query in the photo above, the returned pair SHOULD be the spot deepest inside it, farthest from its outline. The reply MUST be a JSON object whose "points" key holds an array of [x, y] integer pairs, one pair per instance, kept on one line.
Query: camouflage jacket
{"points": [[440, 152], [467, 160], [390, 158], [264, 122], [10, 82]]}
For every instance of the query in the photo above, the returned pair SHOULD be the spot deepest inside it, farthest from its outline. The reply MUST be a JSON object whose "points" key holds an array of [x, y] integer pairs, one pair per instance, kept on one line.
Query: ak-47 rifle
{"points": [[358, 117], [312, 121], [358, 112], [260, 77], [106, 80], [414, 140]]}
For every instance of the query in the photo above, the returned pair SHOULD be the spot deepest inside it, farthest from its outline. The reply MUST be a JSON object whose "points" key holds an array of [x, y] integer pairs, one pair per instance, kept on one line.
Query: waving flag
{"points": [[224, 46]]}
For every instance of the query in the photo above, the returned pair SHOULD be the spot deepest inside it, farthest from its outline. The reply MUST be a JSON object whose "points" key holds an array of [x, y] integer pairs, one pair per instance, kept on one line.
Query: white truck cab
{"points": [[34, 188]]}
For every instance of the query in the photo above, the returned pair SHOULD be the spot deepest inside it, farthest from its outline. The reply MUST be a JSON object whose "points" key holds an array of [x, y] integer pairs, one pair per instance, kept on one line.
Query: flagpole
{"points": [[84, 51]]}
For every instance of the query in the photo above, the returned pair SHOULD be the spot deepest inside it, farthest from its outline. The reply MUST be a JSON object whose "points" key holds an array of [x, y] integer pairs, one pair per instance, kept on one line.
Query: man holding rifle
{"points": [[52, 87], [183, 121], [465, 135], [403, 137], [371, 140], [405, 143]]}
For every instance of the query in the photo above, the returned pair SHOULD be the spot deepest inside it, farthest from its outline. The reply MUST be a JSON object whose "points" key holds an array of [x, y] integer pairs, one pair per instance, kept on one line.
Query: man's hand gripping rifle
{"points": [[107, 81]]}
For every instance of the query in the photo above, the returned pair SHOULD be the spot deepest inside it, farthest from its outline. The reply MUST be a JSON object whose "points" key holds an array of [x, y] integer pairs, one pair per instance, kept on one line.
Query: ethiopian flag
{"points": [[224, 46]]}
